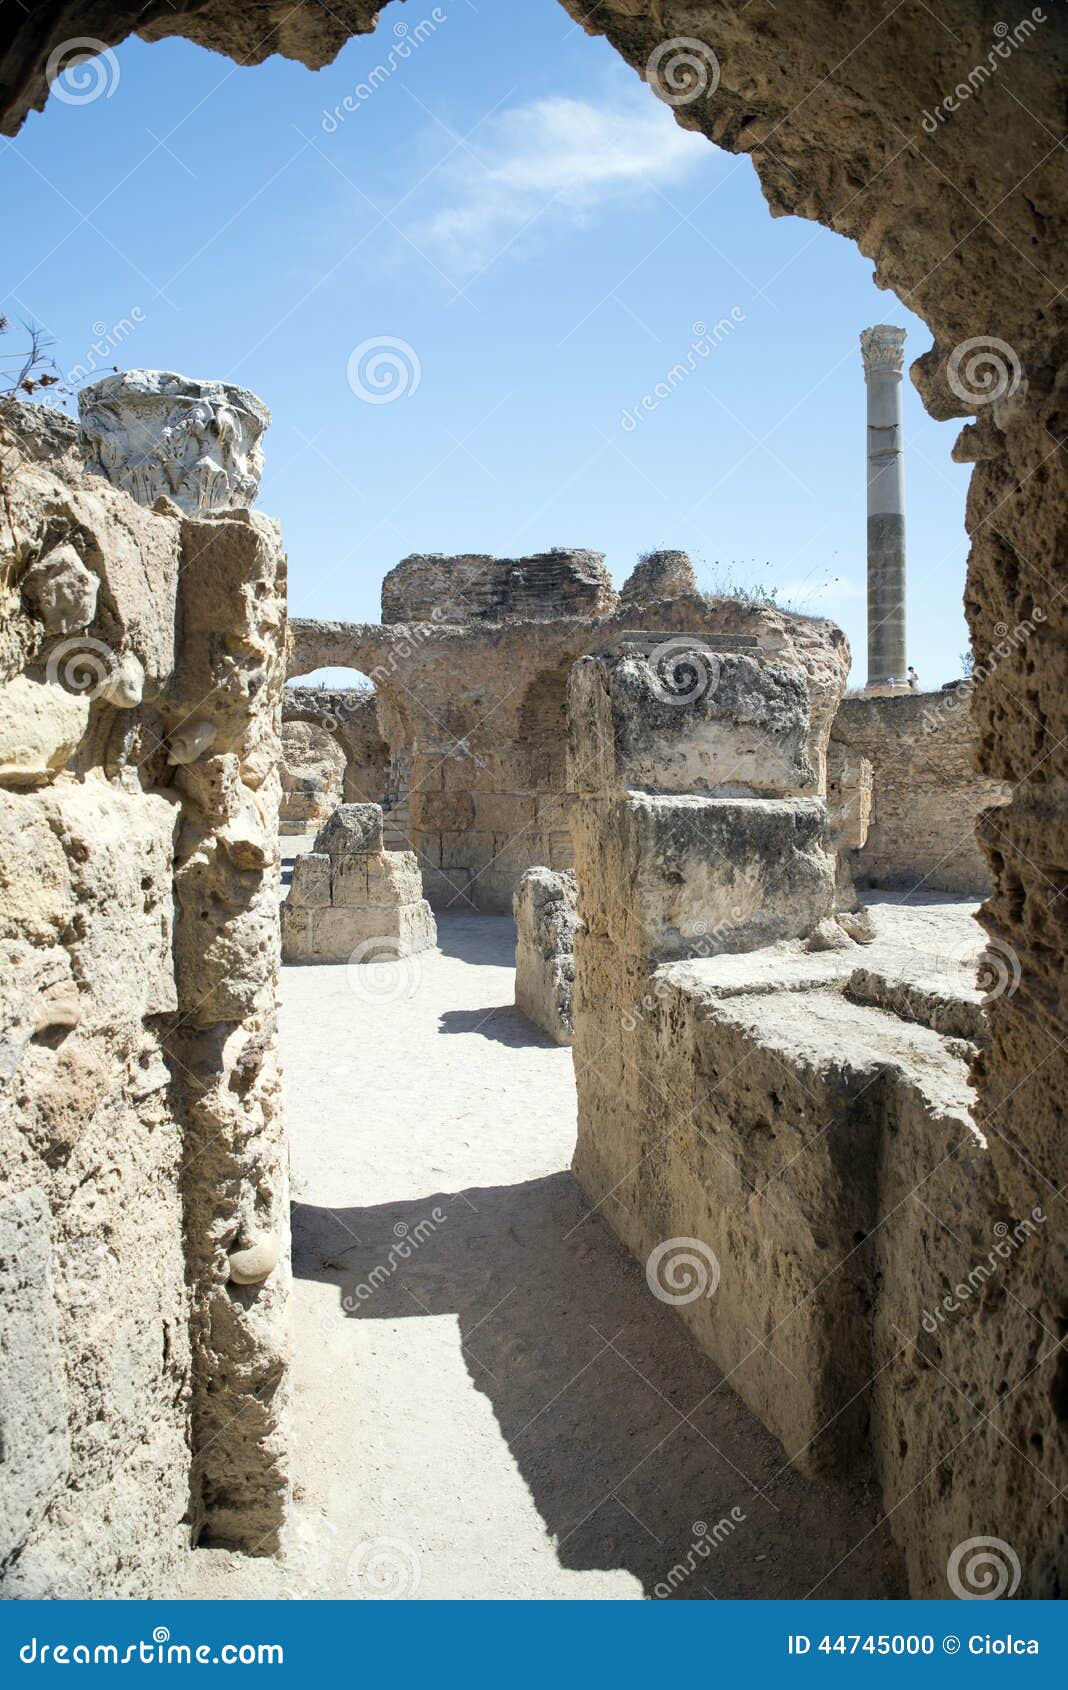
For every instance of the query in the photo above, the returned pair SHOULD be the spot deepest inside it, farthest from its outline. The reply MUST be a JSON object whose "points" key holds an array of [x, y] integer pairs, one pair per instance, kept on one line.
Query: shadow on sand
{"points": [[632, 1447]]}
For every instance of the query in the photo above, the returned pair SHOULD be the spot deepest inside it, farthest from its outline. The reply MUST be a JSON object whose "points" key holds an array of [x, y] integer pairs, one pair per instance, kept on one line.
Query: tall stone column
{"points": [[882, 348]]}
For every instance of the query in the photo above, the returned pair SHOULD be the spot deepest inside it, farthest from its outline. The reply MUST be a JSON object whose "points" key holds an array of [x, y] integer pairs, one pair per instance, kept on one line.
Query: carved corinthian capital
{"points": [[197, 442], [883, 350]]}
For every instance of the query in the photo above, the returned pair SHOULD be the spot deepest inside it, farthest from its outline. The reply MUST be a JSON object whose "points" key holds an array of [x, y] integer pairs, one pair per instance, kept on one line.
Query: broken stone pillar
{"points": [[351, 900], [152, 432], [699, 828], [545, 917], [883, 350]]}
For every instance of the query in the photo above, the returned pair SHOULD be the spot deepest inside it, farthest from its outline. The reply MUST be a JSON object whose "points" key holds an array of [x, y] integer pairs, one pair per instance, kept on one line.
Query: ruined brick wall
{"points": [[348, 716], [477, 710], [918, 826], [140, 1129]]}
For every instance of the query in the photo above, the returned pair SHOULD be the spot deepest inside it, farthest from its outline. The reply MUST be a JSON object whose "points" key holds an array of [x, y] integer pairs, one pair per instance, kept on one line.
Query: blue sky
{"points": [[516, 208]]}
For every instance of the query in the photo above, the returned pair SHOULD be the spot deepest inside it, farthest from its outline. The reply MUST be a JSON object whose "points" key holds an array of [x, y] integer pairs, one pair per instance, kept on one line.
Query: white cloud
{"points": [[561, 154]]}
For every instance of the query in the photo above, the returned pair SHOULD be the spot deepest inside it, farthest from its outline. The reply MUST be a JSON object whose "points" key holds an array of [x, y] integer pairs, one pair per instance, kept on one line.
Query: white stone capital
{"points": [[883, 350]]}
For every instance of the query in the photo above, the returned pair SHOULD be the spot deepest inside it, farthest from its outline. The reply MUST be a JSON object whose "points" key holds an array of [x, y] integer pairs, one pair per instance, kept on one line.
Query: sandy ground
{"points": [[506, 1410]]}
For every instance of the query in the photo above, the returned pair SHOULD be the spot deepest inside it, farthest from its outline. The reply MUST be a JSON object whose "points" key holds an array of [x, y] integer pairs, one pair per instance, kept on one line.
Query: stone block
{"points": [[545, 915], [350, 934], [504, 812], [687, 719], [448, 888], [442, 811], [676, 875], [352, 830], [34, 1440], [310, 886]]}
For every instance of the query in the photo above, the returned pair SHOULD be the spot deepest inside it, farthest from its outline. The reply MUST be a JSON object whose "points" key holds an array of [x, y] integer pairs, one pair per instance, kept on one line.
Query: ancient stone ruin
{"points": [[841, 1136], [142, 1113], [353, 901], [544, 907]]}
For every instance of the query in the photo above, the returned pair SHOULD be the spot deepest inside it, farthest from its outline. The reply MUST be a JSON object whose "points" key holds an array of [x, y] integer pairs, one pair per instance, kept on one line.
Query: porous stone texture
{"points": [[349, 715], [352, 901], [497, 589], [138, 950], [658, 575], [475, 719], [312, 775], [545, 908], [786, 1137], [906, 793], [157, 434]]}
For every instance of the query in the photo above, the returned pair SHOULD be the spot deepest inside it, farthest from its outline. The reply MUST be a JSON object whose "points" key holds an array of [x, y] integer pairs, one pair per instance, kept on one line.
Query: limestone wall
{"points": [[140, 1131], [476, 710], [349, 717], [780, 1123], [312, 773], [912, 812]]}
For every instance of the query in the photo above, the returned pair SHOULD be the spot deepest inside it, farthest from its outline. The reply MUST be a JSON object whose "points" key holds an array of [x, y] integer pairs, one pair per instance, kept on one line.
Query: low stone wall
{"points": [[545, 919], [141, 1134], [783, 1134], [907, 791], [475, 710]]}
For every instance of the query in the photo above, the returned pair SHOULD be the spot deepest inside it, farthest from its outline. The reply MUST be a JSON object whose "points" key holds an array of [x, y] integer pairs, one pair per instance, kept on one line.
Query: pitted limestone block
{"points": [[545, 916], [394, 878], [310, 886], [34, 1440], [690, 719], [61, 590], [357, 936], [40, 727], [671, 876], [658, 575], [352, 830], [197, 443]]}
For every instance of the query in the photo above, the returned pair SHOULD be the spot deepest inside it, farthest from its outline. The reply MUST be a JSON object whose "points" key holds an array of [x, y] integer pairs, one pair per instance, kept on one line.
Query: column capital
{"points": [[883, 350]]}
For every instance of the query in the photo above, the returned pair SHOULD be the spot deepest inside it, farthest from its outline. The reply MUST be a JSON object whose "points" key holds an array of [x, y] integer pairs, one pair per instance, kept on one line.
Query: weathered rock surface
{"points": [[908, 794], [545, 909], [141, 665], [156, 434], [497, 589], [312, 775], [352, 901]]}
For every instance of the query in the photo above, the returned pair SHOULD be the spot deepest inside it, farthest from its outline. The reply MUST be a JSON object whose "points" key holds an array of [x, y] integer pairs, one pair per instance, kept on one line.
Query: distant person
{"points": [[914, 679]]}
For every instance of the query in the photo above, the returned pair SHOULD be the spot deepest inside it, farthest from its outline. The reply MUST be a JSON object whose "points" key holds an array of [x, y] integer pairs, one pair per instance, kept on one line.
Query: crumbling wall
{"points": [[545, 921], [477, 710], [312, 773], [141, 672], [349, 716], [914, 808], [779, 1122]]}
